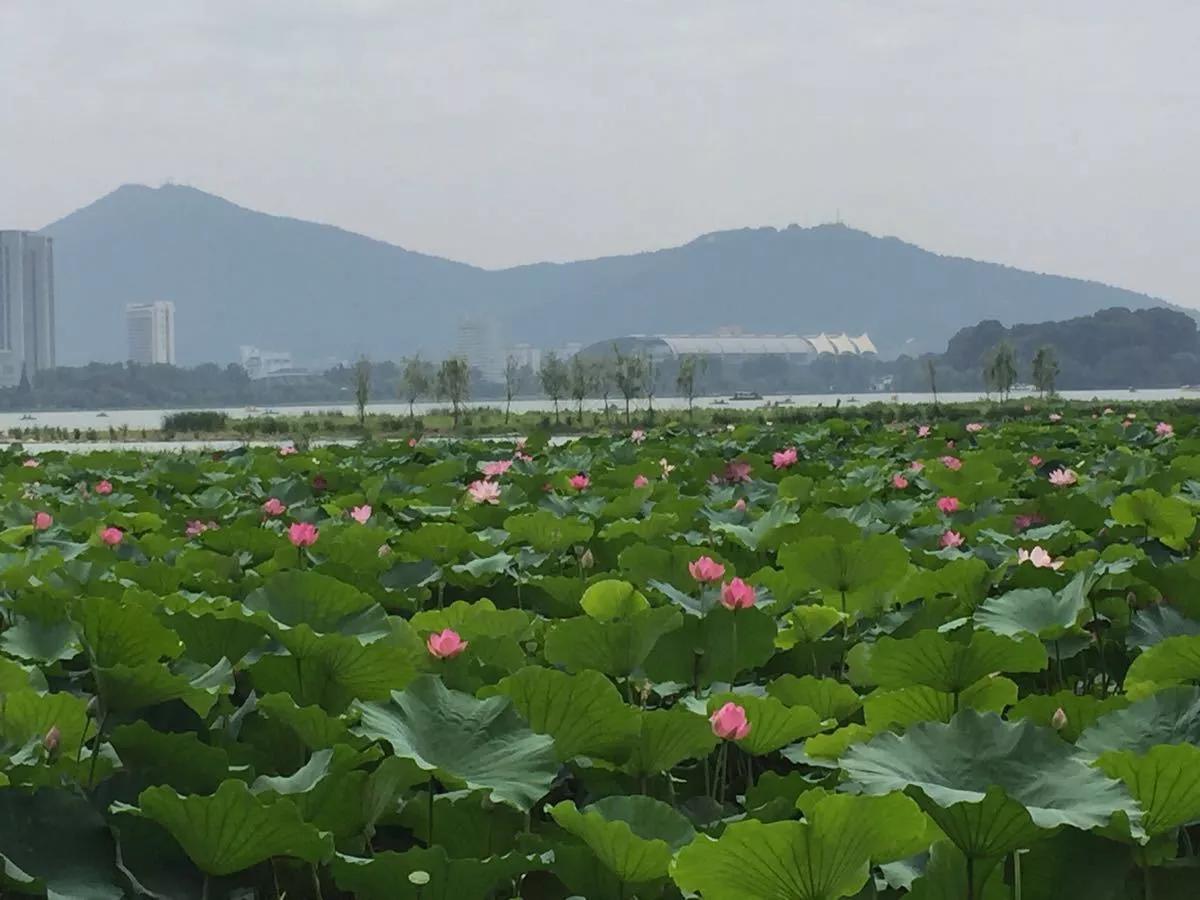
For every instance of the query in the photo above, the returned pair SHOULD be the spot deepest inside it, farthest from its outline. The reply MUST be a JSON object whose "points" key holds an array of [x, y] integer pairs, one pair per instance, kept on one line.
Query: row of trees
{"points": [[1000, 370]]}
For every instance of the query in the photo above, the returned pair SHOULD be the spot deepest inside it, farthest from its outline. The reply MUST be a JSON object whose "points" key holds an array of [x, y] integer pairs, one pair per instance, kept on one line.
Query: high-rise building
{"points": [[26, 305], [479, 343], [151, 332]]}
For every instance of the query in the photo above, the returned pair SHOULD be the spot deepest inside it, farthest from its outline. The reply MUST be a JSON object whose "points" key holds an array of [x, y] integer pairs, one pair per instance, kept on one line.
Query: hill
{"points": [[239, 276]]}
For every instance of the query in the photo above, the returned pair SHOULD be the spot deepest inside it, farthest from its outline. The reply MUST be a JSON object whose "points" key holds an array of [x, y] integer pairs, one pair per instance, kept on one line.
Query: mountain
{"points": [[244, 277]]}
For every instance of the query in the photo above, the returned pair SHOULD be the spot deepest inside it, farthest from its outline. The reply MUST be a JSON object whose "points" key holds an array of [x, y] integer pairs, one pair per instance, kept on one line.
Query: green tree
{"points": [[649, 383], [602, 379], [931, 371], [454, 384], [1045, 369], [514, 375], [415, 382], [1000, 370], [362, 389], [629, 374], [581, 382], [690, 367], [555, 379]]}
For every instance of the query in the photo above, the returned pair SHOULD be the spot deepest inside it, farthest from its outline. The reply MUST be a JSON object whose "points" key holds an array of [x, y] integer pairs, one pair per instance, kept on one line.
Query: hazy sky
{"points": [[1057, 136]]}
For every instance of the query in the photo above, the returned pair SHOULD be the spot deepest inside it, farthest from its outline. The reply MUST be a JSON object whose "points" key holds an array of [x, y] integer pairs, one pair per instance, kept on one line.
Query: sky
{"points": [[1060, 137]]}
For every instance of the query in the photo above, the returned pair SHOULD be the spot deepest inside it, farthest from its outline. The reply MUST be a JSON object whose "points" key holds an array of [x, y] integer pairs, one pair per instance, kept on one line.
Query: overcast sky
{"points": [[1056, 136]]}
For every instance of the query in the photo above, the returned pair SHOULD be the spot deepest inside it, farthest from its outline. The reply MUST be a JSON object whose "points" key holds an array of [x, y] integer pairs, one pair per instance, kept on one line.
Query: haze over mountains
{"points": [[243, 277]]}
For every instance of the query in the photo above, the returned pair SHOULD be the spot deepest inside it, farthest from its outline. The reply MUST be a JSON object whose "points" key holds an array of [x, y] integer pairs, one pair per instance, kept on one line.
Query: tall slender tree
{"points": [[629, 374], [555, 379], [454, 384], [416, 381], [690, 366], [1045, 370], [514, 375], [362, 389]]}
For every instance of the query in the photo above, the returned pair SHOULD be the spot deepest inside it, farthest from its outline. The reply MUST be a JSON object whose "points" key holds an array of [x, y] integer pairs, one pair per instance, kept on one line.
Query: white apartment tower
{"points": [[26, 305], [151, 332], [480, 344]]}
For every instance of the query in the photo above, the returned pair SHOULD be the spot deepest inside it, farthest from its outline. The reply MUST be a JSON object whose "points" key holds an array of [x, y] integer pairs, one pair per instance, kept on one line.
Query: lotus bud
{"points": [[586, 560], [50, 741], [1058, 721]]}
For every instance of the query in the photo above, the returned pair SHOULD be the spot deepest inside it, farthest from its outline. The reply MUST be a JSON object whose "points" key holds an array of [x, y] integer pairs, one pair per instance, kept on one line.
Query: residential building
{"points": [[526, 355], [480, 344], [260, 363], [151, 328], [26, 305]]}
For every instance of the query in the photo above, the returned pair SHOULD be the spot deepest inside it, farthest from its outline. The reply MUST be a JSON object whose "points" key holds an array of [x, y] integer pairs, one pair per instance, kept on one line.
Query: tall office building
{"points": [[26, 305], [480, 344], [151, 332]]}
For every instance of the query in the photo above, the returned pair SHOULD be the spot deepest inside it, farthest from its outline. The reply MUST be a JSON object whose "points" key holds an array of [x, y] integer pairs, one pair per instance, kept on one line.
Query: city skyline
{"points": [[27, 321]]}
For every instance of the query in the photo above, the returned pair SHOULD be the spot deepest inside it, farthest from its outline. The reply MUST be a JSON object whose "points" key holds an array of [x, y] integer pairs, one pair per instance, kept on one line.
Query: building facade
{"points": [[481, 345], [26, 305], [260, 363], [151, 328]]}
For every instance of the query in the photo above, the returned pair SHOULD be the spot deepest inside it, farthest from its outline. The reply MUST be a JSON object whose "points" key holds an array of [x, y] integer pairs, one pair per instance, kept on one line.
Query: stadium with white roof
{"points": [[743, 346]]}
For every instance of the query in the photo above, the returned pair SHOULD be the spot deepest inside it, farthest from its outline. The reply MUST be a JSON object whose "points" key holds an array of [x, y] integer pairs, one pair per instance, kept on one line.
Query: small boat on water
{"points": [[101, 415], [746, 395], [28, 418]]}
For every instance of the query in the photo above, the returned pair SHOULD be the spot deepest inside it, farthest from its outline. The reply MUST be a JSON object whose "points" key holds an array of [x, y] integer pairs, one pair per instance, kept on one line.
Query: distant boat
{"points": [[746, 395], [102, 415], [28, 418]]}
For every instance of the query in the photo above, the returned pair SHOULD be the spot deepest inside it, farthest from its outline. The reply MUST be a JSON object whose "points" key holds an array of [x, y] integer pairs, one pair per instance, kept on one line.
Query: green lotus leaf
{"points": [[482, 744], [666, 738], [834, 744], [27, 715], [232, 829], [210, 637], [606, 601], [442, 543], [806, 624], [1156, 623], [1081, 710], [584, 713], [948, 876], [317, 601], [847, 573], [616, 648], [1075, 865], [126, 688], [466, 823], [1165, 781], [829, 698], [824, 858], [426, 874], [966, 579], [634, 836], [1167, 518], [315, 728], [943, 662], [38, 641], [1036, 611], [546, 532], [979, 773], [903, 707], [115, 632], [473, 620], [772, 724], [1170, 716], [760, 532], [703, 649], [177, 759], [16, 677], [1170, 660]]}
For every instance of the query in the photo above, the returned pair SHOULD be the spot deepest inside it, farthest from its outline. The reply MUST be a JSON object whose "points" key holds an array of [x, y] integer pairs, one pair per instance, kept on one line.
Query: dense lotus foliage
{"points": [[938, 661]]}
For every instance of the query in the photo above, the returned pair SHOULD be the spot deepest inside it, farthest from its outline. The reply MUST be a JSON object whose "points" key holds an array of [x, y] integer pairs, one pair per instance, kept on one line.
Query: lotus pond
{"points": [[931, 660]]}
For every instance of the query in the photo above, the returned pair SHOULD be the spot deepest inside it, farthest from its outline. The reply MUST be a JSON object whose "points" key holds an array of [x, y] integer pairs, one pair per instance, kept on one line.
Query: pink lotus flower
{"points": [[104, 487], [1038, 558], [303, 534], [195, 528], [637, 435], [579, 482], [953, 463], [974, 427], [1063, 477], [737, 471], [112, 535], [1020, 522], [1164, 429], [948, 505], [446, 644], [31, 463], [737, 594], [950, 443], [412, 442], [484, 492], [361, 514], [42, 521], [951, 539], [924, 431], [524, 457], [495, 467], [705, 569], [273, 507], [1035, 461], [899, 481], [916, 465], [740, 506], [287, 450], [1058, 721], [729, 722], [641, 481], [783, 459], [1055, 417]]}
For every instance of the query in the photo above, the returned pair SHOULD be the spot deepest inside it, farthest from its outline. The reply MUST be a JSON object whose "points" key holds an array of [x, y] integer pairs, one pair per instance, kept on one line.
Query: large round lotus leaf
{"points": [[1167, 518], [634, 836], [902, 707], [1036, 611], [616, 648], [1166, 782], [829, 698], [473, 620], [307, 598], [1170, 660], [975, 753], [1156, 623], [544, 531], [667, 737], [480, 743], [761, 530], [772, 724], [846, 571], [426, 874], [713, 647], [1170, 716], [943, 662], [1081, 711]]}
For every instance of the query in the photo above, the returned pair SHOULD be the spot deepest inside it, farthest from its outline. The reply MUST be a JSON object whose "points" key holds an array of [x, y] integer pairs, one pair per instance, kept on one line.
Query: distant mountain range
{"points": [[243, 277]]}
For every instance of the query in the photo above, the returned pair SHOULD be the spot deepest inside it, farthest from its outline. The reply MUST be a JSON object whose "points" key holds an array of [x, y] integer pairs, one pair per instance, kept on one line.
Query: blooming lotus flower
{"points": [[1035, 461], [446, 644], [641, 481], [1063, 477], [42, 521], [195, 528], [948, 504], [974, 427], [287, 450], [1058, 721], [412, 442], [1038, 558], [303, 534], [899, 481], [104, 487], [31, 463], [951, 539], [1055, 417], [360, 514], [579, 481], [953, 463], [637, 435], [112, 535], [1164, 429], [924, 431], [496, 467], [706, 569], [729, 722], [916, 465], [524, 457], [783, 459], [273, 507], [737, 594], [1020, 522], [1108, 410], [484, 492], [737, 471]]}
